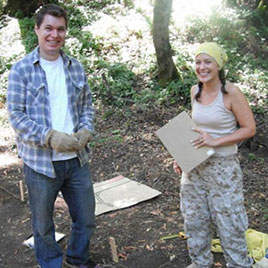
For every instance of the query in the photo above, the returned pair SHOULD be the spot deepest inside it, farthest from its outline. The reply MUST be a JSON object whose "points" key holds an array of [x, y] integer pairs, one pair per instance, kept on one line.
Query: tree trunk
{"points": [[166, 68]]}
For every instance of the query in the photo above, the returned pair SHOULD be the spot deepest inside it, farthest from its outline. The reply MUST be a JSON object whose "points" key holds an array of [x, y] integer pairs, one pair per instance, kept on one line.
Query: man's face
{"points": [[51, 36]]}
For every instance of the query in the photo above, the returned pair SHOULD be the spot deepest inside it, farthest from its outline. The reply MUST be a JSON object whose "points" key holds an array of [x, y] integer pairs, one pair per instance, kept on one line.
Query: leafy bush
{"points": [[245, 44], [242, 32], [2, 4], [3, 80], [28, 36], [79, 17], [97, 4], [115, 85]]}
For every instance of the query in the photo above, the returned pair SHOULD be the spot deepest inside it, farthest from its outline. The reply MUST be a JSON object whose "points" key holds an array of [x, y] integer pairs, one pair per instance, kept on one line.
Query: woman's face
{"points": [[206, 68]]}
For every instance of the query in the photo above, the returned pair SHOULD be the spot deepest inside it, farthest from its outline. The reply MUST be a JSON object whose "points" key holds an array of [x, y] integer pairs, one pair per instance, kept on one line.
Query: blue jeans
{"points": [[76, 186]]}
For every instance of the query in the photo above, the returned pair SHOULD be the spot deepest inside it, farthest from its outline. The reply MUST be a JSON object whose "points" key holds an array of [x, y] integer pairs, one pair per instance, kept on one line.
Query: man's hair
{"points": [[50, 9]]}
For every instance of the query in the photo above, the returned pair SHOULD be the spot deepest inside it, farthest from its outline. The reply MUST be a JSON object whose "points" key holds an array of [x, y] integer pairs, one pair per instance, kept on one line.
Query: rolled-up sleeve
{"points": [[27, 130]]}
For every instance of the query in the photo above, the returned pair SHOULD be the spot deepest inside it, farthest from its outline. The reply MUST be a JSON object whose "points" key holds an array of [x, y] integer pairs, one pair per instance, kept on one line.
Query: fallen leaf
{"points": [[218, 264]]}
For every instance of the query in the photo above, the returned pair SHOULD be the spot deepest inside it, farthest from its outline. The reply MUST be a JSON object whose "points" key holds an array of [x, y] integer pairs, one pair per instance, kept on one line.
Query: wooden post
{"points": [[21, 191], [113, 249]]}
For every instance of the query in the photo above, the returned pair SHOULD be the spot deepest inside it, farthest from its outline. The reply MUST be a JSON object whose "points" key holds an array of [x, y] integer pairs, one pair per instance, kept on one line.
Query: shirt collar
{"points": [[36, 57]]}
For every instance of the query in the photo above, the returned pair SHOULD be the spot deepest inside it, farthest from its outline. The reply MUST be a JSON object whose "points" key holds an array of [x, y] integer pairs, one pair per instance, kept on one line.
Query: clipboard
{"points": [[176, 136]]}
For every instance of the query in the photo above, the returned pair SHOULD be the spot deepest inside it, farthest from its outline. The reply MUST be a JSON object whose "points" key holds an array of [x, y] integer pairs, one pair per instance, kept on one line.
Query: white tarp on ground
{"points": [[30, 241]]}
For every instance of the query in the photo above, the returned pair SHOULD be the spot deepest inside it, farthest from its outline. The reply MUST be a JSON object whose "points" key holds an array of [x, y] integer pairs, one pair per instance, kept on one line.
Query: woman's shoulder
{"points": [[232, 89], [194, 90], [234, 93]]}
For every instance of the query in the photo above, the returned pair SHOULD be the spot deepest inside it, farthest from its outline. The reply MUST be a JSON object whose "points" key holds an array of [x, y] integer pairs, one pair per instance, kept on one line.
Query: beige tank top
{"points": [[216, 120]]}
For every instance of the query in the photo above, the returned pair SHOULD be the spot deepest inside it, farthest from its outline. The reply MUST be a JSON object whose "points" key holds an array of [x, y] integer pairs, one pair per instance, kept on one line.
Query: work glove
{"points": [[84, 136], [62, 142]]}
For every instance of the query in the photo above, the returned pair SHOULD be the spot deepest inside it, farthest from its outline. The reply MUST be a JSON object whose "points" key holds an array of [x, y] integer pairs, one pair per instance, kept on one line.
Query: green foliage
{"points": [[246, 46], [115, 86], [178, 91], [2, 82], [106, 6], [252, 157], [252, 4], [2, 65], [97, 4], [28, 36], [2, 4], [116, 137], [118, 82], [264, 211], [79, 17], [4, 69], [230, 28], [218, 26]]}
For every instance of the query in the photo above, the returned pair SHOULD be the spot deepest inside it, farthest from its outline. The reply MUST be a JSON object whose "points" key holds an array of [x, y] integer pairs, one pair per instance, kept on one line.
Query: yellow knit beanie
{"points": [[214, 51]]}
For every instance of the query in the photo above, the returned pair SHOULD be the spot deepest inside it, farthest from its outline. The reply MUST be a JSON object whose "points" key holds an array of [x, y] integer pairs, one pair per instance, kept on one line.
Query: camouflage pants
{"points": [[212, 196]]}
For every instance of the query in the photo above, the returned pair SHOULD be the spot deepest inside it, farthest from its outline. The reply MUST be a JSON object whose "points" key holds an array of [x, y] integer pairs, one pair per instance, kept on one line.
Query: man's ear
{"points": [[36, 28]]}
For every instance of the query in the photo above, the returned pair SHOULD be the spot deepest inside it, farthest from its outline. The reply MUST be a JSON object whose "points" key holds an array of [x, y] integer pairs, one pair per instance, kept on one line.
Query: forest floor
{"points": [[126, 144]]}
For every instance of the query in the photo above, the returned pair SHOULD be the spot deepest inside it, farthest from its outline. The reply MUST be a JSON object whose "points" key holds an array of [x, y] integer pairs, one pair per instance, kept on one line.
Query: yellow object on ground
{"points": [[180, 235], [257, 243], [216, 246]]}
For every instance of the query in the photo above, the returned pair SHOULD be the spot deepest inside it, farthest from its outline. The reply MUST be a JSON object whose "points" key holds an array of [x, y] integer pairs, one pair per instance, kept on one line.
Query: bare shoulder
{"points": [[194, 88], [193, 91], [235, 99], [233, 90]]}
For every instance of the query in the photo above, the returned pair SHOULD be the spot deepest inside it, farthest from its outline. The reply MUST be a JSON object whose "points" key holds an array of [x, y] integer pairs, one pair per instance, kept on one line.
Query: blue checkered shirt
{"points": [[29, 112]]}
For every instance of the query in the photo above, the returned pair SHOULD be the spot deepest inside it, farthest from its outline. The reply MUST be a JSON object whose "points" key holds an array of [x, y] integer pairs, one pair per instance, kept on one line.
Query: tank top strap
{"points": [[219, 99], [195, 93]]}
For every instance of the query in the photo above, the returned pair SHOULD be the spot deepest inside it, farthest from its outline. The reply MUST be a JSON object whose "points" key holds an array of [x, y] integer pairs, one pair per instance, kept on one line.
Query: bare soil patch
{"points": [[126, 144]]}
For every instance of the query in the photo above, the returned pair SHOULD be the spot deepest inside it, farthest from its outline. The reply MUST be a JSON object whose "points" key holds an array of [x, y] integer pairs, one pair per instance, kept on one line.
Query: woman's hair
{"points": [[50, 9], [223, 82]]}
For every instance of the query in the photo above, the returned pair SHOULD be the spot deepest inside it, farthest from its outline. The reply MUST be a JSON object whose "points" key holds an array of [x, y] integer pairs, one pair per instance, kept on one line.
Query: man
{"points": [[50, 108]]}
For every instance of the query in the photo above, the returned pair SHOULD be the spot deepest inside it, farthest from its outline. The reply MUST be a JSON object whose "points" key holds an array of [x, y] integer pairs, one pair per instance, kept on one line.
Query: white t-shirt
{"points": [[58, 100]]}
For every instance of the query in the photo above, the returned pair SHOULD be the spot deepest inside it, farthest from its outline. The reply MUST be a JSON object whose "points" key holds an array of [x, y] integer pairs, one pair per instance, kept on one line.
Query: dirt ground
{"points": [[126, 144]]}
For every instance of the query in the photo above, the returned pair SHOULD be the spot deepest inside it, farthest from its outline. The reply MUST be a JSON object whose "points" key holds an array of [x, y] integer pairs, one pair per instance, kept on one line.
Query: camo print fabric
{"points": [[212, 196]]}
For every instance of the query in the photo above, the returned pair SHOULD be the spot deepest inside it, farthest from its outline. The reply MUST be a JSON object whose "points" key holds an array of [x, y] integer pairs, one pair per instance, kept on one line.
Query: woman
{"points": [[212, 193]]}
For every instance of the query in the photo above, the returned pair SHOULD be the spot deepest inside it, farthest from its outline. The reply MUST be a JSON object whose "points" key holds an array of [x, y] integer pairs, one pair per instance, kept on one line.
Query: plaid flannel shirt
{"points": [[29, 112]]}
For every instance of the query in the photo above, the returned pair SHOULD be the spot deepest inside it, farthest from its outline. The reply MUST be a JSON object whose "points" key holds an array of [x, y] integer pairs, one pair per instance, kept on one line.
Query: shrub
{"points": [[115, 85]]}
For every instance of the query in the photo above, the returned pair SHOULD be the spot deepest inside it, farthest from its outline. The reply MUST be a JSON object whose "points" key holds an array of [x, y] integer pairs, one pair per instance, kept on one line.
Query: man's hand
{"points": [[62, 142], [84, 136]]}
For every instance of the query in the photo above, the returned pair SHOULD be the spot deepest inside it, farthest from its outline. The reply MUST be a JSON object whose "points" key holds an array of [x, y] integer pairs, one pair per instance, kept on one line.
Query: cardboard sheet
{"points": [[120, 192], [176, 136]]}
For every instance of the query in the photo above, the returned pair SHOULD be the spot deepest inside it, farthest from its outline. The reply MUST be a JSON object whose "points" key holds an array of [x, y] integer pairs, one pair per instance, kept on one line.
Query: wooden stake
{"points": [[21, 191], [113, 249]]}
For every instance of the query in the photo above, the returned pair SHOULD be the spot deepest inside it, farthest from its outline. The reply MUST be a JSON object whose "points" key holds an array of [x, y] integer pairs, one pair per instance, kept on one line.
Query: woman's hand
{"points": [[204, 139], [176, 168]]}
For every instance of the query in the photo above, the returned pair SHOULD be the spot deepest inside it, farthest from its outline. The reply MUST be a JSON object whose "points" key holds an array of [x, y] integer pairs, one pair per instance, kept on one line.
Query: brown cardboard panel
{"points": [[176, 136]]}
